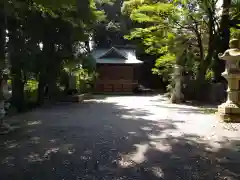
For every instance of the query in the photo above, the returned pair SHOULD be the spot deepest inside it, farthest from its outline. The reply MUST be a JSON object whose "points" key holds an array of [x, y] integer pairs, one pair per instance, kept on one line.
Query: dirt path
{"points": [[110, 138]]}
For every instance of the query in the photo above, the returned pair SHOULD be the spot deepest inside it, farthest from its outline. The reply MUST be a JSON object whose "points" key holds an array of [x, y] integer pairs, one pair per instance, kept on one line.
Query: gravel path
{"points": [[121, 137]]}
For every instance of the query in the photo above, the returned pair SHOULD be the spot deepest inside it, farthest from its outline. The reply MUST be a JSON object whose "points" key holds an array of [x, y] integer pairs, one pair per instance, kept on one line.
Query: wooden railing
{"points": [[115, 85]]}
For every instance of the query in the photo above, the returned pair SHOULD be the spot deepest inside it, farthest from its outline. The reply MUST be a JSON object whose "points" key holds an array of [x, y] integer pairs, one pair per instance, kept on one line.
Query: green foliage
{"points": [[103, 2], [30, 90], [58, 25], [235, 33], [31, 85], [110, 31], [85, 79], [164, 66], [209, 75], [235, 13], [84, 71], [179, 31], [154, 17], [89, 63], [55, 3]]}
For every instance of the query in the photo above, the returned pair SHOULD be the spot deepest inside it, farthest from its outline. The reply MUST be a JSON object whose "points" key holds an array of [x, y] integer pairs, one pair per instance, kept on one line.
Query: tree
{"points": [[229, 19], [235, 14], [166, 24], [222, 40], [58, 25], [114, 26], [2, 35]]}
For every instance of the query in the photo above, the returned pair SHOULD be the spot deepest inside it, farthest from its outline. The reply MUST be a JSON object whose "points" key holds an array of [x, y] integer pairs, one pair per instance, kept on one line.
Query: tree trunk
{"points": [[17, 88], [204, 65], [2, 35], [41, 88], [52, 80], [50, 66], [15, 45], [223, 41]]}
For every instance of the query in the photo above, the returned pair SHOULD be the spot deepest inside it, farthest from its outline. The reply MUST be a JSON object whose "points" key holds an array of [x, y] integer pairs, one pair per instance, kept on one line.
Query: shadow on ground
{"points": [[187, 107], [190, 109], [105, 141]]}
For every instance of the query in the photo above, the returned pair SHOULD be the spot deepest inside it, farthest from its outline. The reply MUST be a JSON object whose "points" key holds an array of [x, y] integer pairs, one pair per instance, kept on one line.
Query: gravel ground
{"points": [[120, 137]]}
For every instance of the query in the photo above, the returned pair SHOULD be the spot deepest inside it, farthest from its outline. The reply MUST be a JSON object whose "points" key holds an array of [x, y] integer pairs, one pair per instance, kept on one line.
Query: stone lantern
{"points": [[230, 110]]}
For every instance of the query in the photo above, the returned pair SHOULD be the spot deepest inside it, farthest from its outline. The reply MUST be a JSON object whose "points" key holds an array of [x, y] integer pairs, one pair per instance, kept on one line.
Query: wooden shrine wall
{"points": [[115, 78]]}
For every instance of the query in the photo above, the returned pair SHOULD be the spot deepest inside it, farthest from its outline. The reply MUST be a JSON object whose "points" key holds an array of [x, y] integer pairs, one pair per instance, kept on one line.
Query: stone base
{"points": [[176, 99], [229, 108], [228, 118], [77, 97], [229, 112]]}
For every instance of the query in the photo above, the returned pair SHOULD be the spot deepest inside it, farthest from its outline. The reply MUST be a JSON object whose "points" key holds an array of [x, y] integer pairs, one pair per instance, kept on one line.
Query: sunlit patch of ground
{"points": [[121, 137]]}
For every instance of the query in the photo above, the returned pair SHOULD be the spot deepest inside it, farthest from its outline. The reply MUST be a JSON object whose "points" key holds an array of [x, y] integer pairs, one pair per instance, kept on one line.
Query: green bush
{"points": [[209, 75], [235, 33], [84, 78], [164, 66], [31, 90]]}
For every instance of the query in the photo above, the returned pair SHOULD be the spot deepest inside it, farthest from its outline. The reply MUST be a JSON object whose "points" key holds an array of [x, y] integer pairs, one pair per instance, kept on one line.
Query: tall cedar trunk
{"points": [[41, 87], [17, 88], [203, 67], [2, 35], [223, 41], [15, 46], [51, 67], [52, 81], [45, 65], [41, 78], [211, 46], [200, 45]]}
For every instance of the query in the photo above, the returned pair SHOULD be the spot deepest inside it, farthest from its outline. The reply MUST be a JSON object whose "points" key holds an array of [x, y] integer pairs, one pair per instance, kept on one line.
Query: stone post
{"points": [[177, 95], [230, 110], [72, 81]]}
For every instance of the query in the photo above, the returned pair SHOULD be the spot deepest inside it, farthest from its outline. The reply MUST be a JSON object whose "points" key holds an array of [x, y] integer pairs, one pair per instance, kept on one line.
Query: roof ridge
{"points": [[113, 49], [120, 52]]}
